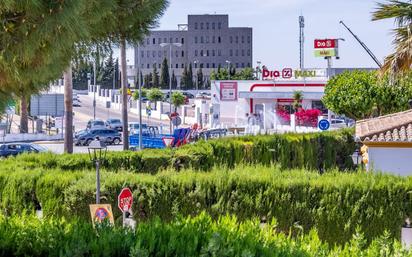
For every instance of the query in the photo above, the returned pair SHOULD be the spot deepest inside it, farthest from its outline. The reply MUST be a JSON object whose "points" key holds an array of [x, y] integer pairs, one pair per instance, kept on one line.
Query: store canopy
{"points": [[277, 95]]}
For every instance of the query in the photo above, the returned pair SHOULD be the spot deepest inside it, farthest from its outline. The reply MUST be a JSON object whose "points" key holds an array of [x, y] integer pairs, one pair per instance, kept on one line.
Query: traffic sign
{"points": [[176, 121], [125, 199], [324, 124], [168, 141]]}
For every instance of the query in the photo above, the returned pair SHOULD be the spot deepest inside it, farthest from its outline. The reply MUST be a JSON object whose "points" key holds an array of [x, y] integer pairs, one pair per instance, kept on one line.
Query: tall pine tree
{"points": [[155, 77], [164, 75], [199, 78], [184, 79], [174, 80], [190, 77]]}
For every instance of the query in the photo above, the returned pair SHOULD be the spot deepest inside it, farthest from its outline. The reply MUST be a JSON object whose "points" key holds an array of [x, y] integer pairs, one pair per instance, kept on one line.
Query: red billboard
{"points": [[325, 43]]}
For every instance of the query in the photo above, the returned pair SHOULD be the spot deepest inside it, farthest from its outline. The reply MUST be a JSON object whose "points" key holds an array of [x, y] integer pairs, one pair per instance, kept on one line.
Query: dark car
{"points": [[109, 136], [14, 149], [115, 124]]}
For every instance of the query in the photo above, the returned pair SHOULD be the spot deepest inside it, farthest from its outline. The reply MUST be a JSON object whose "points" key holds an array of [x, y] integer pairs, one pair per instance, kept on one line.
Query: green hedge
{"points": [[317, 151], [191, 237], [333, 203]]}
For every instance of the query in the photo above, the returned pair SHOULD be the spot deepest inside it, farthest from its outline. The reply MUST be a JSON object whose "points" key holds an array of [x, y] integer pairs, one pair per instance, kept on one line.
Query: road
{"points": [[58, 147], [85, 113]]}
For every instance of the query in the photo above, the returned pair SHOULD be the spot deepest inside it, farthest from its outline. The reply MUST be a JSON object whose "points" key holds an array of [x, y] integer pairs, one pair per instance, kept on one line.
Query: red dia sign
{"points": [[125, 199], [325, 43]]}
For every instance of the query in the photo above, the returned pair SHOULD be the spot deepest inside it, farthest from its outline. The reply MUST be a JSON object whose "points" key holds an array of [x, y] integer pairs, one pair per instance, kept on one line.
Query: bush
{"points": [[334, 203], [199, 236]]}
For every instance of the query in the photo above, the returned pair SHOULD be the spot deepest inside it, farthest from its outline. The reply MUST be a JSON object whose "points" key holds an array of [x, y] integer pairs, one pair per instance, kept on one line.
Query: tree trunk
{"points": [[124, 95], [24, 115], [68, 110]]}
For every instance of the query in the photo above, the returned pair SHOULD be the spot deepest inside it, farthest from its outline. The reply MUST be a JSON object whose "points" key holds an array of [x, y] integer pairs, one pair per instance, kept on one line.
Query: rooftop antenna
{"points": [[301, 41]]}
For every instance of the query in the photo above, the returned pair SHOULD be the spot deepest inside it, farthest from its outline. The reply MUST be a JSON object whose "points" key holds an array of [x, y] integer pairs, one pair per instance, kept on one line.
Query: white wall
{"points": [[390, 159]]}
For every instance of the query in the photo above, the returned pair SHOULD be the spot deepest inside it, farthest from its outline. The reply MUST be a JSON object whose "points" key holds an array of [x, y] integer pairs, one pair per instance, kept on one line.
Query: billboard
{"points": [[326, 48], [228, 91], [47, 104]]}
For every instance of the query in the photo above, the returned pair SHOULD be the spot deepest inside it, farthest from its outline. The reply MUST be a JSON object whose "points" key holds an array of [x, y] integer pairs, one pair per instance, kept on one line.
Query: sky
{"points": [[276, 30]]}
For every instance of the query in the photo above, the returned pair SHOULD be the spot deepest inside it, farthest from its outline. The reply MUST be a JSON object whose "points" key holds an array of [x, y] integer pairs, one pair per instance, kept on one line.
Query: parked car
{"points": [[115, 124], [338, 123], [203, 94], [134, 128], [14, 149], [188, 95], [76, 102], [109, 136], [95, 124]]}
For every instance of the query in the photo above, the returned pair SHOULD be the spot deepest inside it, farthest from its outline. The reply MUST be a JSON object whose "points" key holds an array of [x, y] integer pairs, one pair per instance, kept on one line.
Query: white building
{"points": [[234, 101], [389, 142]]}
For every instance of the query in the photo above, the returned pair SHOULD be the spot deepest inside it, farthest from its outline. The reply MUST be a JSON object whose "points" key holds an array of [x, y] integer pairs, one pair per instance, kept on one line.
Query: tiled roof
{"points": [[388, 128]]}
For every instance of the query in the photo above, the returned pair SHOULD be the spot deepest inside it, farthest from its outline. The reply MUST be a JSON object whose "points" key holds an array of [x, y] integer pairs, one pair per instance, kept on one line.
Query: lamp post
{"points": [[97, 153], [197, 78], [94, 89], [140, 97], [229, 64], [170, 45]]}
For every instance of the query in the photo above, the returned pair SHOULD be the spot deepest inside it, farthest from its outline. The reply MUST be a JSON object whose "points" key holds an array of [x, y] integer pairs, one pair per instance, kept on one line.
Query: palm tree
{"points": [[401, 59], [297, 100]]}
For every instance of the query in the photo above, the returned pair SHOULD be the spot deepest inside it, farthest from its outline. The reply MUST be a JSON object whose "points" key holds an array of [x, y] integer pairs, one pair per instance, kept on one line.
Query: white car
{"points": [[338, 124]]}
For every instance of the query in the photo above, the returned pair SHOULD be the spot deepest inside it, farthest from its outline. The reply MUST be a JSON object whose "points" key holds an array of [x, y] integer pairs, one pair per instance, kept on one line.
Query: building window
{"points": [[207, 65], [231, 39], [207, 25], [195, 52], [207, 39], [213, 39], [183, 41], [243, 65], [248, 64], [201, 25], [159, 40], [142, 66], [154, 53], [159, 53], [213, 52], [237, 65], [219, 40], [237, 52], [177, 66], [201, 40], [207, 52], [231, 52], [183, 65], [148, 54], [147, 41], [201, 52], [195, 25], [219, 53], [248, 52], [142, 54], [160, 66], [195, 65], [183, 53], [213, 65], [177, 54], [248, 39], [170, 40], [164, 40], [243, 52], [213, 26], [176, 40], [154, 41], [148, 66], [243, 39], [237, 40], [195, 40], [201, 65], [219, 25]]}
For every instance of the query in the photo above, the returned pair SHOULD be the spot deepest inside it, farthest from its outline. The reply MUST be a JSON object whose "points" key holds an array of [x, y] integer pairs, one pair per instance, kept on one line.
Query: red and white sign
{"points": [[228, 91], [325, 43], [168, 141], [125, 200]]}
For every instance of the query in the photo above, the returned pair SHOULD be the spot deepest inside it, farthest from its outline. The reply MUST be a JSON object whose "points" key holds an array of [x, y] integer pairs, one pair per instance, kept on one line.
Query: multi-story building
{"points": [[206, 41]]}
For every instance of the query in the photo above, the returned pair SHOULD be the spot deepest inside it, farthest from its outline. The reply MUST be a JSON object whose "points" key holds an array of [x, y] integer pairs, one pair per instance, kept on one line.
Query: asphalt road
{"points": [[58, 148]]}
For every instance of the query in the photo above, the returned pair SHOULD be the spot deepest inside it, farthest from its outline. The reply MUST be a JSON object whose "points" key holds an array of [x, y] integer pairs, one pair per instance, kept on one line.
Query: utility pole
{"points": [[140, 97], [94, 89], [301, 42]]}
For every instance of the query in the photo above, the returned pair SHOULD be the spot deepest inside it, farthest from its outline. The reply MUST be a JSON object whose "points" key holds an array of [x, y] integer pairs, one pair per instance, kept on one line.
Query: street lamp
{"points": [[170, 45], [97, 153], [197, 78], [229, 64]]}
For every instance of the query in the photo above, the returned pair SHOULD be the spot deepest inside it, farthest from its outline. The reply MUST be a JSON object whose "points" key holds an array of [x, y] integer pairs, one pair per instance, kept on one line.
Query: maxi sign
{"points": [[288, 73]]}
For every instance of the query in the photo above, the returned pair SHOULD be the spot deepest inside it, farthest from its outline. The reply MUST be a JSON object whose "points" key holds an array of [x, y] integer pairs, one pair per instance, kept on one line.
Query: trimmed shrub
{"points": [[334, 203], [318, 151]]}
